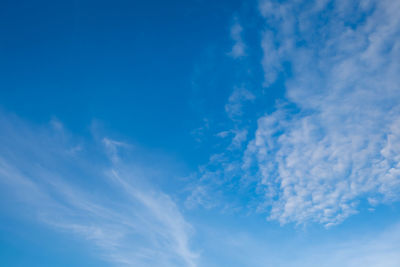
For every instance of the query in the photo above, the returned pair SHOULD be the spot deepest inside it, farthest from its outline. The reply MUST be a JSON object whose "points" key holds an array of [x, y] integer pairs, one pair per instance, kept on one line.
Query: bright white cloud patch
{"points": [[337, 141]]}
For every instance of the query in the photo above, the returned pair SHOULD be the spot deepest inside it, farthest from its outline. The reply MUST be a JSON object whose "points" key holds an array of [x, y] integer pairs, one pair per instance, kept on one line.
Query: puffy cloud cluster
{"points": [[337, 139]]}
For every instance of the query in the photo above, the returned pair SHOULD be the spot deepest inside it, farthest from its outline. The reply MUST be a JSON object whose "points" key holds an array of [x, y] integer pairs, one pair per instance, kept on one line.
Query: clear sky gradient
{"points": [[200, 133]]}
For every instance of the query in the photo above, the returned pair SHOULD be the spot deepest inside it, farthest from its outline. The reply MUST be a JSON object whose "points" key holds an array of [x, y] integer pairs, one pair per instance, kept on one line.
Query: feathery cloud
{"points": [[133, 224]]}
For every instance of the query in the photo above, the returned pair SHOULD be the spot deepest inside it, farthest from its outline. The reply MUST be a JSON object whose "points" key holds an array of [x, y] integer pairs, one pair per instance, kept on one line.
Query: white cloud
{"points": [[131, 223], [238, 48], [238, 137], [338, 139], [112, 147], [234, 107]]}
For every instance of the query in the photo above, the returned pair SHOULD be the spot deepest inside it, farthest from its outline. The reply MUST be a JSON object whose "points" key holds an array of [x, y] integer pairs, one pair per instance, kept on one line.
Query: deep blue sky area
{"points": [[129, 64]]}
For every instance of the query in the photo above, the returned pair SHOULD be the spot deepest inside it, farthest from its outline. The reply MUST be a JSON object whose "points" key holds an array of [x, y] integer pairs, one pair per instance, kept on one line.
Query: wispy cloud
{"points": [[238, 48], [371, 248], [337, 140], [236, 101], [133, 224]]}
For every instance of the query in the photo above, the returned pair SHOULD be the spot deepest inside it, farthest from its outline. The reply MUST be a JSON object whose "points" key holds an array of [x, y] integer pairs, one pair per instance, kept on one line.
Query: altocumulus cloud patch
{"points": [[337, 139]]}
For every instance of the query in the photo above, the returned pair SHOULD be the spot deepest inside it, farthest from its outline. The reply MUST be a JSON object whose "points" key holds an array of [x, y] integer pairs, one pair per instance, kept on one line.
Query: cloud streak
{"points": [[130, 222]]}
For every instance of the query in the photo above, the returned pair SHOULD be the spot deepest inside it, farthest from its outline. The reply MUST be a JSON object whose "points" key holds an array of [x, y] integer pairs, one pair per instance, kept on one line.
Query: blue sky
{"points": [[200, 133]]}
